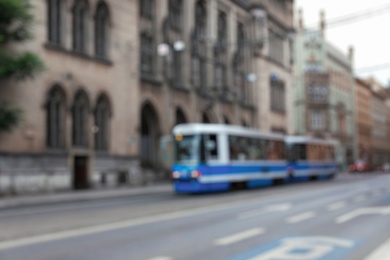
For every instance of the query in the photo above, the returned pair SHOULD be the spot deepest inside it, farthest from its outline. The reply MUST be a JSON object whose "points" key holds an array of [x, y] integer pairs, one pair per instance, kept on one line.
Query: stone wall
{"points": [[34, 173]]}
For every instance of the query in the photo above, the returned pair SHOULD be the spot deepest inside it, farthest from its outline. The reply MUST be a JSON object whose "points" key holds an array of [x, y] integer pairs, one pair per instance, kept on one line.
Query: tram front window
{"points": [[187, 149]]}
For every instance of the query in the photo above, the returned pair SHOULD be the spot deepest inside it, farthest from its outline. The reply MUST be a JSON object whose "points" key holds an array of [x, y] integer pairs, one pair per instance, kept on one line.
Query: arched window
{"points": [[199, 73], [175, 14], [80, 13], [80, 119], [54, 21], [55, 117], [102, 116], [222, 28], [180, 117], [200, 20], [239, 64], [146, 8], [220, 75], [101, 30]]}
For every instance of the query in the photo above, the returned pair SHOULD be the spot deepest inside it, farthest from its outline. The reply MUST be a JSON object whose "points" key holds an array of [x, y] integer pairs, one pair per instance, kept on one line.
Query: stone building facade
{"points": [[379, 115], [324, 90], [214, 61], [78, 114], [122, 73]]}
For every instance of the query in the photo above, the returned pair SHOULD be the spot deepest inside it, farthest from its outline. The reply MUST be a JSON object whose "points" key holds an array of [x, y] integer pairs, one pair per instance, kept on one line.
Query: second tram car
{"points": [[311, 158]]}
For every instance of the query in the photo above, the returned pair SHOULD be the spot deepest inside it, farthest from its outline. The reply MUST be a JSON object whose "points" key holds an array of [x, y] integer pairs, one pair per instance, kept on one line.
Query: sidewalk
{"points": [[86, 195]]}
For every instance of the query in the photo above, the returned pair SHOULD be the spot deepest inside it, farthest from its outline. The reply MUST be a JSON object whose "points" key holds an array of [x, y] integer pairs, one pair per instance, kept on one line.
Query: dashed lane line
{"points": [[250, 214], [360, 198], [376, 193], [301, 217], [239, 236], [161, 258], [336, 206]]}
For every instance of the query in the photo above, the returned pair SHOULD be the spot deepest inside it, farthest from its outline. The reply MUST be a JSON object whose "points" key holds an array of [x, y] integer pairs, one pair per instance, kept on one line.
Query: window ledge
{"points": [[179, 87], [247, 106], [54, 47], [278, 111], [150, 79], [55, 151]]}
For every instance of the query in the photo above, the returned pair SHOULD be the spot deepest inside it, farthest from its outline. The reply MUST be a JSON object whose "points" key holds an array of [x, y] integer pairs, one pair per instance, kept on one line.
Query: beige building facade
{"points": [[78, 114], [364, 122], [121, 74]]}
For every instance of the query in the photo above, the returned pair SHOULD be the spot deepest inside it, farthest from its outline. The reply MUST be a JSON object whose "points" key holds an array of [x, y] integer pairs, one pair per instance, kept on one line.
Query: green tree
{"points": [[15, 25]]}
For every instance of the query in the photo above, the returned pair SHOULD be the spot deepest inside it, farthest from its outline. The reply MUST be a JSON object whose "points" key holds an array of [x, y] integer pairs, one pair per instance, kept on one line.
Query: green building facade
{"points": [[325, 92]]}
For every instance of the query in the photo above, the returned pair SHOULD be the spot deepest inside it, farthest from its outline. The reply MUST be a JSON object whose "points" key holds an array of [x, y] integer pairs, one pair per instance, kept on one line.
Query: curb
{"points": [[73, 196]]}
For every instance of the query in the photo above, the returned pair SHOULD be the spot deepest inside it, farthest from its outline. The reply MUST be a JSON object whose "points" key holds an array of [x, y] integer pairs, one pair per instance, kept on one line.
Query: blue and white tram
{"points": [[311, 158], [212, 157]]}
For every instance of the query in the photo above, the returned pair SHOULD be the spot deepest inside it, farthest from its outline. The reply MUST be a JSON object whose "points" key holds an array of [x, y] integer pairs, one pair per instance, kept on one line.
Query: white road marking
{"points": [[278, 208], [311, 248], [119, 225], [301, 217], [381, 253], [239, 236], [161, 258], [360, 198], [376, 193], [362, 211], [336, 206], [250, 214], [271, 208]]}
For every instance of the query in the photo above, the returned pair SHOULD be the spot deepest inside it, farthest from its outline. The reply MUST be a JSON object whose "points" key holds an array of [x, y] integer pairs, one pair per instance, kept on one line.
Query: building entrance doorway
{"points": [[80, 174]]}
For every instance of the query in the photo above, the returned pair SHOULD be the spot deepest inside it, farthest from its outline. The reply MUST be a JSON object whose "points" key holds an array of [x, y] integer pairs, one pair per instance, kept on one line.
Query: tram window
{"points": [[301, 152], [211, 145], [243, 144], [233, 148], [255, 149]]}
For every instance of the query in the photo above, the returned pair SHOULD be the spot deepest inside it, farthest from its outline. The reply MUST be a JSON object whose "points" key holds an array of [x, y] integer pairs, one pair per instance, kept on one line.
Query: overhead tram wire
{"points": [[374, 68], [355, 17]]}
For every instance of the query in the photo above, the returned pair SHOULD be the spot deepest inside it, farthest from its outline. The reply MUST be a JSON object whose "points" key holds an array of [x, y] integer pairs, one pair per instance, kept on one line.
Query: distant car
{"points": [[385, 167], [359, 166]]}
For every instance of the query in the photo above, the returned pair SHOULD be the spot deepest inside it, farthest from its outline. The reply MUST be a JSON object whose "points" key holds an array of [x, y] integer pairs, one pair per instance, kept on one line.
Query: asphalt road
{"points": [[346, 218]]}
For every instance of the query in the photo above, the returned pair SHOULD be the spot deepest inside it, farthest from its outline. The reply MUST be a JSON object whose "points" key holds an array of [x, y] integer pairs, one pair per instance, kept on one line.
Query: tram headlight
{"points": [[196, 174], [175, 175]]}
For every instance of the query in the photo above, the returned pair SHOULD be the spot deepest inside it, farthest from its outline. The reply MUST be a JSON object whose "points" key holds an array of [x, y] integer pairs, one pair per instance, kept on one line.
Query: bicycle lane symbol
{"points": [[301, 248]]}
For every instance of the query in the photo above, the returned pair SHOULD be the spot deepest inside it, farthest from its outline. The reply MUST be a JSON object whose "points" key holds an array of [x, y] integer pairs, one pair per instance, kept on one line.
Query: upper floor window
{"points": [[278, 100], [146, 53], [175, 14], [101, 30], [317, 120], [200, 20], [222, 30], [146, 8], [80, 25], [54, 21], [55, 118], [220, 75], [240, 37], [276, 47], [318, 93]]}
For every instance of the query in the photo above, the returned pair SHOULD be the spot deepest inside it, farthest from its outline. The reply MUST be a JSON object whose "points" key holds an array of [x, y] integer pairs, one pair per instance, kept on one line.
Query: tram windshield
{"points": [[187, 149]]}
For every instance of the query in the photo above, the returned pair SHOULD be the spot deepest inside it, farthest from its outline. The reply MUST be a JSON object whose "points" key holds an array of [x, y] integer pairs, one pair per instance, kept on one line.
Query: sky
{"points": [[370, 37]]}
